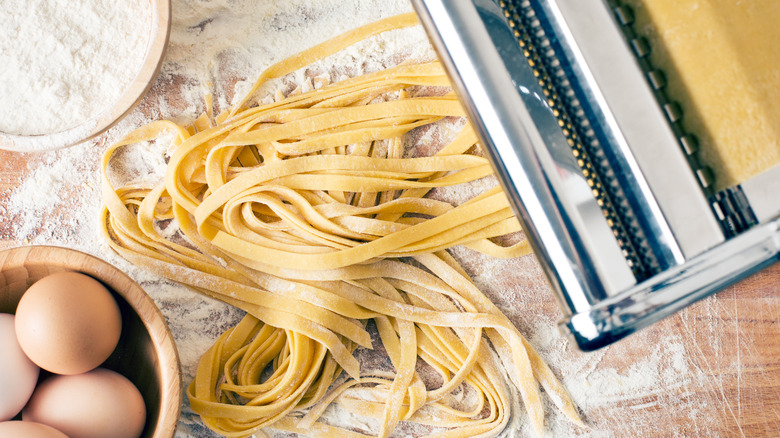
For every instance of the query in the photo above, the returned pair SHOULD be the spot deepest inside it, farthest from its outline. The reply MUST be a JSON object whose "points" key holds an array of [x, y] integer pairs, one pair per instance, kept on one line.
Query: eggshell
{"points": [[18, 374], [97, 404], [68, 323], [28, 429]]}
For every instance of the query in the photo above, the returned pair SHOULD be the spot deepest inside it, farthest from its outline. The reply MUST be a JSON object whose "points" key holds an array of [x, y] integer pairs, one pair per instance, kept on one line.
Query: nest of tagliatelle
{"points": [[311, 214]]}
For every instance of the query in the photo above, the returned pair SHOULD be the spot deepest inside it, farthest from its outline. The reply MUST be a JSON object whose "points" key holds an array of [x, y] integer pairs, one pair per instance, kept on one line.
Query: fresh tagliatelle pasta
{"points": [[307, 214]]}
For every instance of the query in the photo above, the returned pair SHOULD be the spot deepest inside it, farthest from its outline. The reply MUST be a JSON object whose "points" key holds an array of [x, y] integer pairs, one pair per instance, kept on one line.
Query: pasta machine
{"points": [[589, 146]]}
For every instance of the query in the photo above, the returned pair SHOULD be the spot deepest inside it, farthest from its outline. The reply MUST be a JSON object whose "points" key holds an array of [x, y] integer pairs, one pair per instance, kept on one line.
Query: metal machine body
{"points": [[591, 155]]}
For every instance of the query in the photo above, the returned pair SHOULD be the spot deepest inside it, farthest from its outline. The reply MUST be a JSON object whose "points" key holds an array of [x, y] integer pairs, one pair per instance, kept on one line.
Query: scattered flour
{"points": [[220, 46], [64, 62]]}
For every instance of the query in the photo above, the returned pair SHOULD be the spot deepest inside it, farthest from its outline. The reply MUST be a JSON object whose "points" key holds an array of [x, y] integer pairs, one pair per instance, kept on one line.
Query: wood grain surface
{"points": [[711, 370]]}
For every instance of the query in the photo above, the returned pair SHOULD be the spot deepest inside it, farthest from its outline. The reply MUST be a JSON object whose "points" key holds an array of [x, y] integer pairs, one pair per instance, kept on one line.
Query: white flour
{"points": [[64, 61], [220, 46]]}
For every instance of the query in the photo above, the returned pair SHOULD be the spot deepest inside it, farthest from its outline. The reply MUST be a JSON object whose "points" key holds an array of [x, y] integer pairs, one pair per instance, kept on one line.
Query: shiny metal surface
{"points": [[676, 288], [599, 294], [763, 193], [662, 186], [531, 156]]}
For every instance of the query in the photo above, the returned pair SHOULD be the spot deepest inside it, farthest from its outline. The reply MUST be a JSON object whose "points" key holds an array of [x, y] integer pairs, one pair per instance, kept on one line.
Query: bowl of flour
{"points": [[71, 70]]}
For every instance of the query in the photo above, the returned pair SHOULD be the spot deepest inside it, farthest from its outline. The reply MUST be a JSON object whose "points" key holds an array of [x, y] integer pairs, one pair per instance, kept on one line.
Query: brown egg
{"points": [[18, 375], [97, 404], [28, 429], [68, 323]]}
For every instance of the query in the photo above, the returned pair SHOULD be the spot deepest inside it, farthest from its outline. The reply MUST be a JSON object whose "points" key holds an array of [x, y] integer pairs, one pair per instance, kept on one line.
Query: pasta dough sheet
{"points": [[722, 62]]}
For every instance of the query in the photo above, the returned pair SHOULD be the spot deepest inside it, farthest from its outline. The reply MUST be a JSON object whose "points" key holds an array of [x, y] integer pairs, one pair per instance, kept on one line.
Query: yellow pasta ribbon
{"points": [[298, 212]]}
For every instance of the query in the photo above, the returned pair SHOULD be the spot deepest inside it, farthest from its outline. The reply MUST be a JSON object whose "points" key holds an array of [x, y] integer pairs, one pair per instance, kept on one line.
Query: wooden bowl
{"points": [[146, 353], [160, 29]]}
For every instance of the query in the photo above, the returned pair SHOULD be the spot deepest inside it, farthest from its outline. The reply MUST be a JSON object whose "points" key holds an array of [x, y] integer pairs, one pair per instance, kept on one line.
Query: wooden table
{"points": [[712, 370]]}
